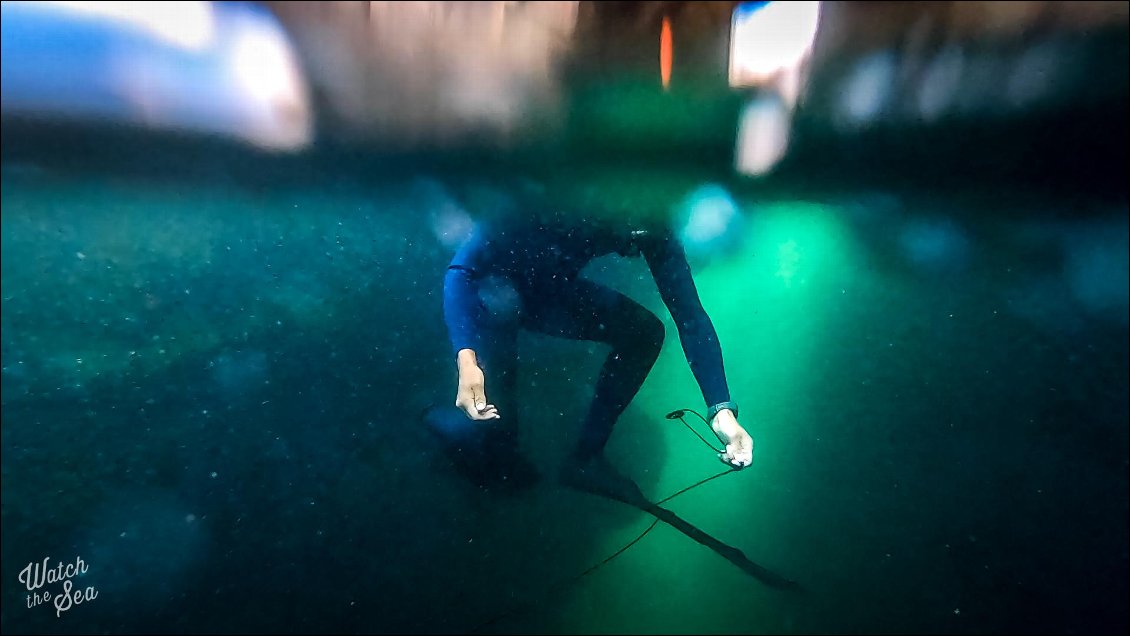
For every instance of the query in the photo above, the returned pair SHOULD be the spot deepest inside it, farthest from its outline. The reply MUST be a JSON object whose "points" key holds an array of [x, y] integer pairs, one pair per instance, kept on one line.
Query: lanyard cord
{"points": [[673, 415]]}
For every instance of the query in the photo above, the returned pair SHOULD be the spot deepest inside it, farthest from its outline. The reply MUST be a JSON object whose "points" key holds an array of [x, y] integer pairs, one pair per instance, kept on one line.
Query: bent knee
{"points": [[653, 332], [643, 337]]}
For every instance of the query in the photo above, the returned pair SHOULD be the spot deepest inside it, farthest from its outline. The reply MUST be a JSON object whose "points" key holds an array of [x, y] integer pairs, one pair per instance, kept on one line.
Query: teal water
{"points": [[210, 393]]}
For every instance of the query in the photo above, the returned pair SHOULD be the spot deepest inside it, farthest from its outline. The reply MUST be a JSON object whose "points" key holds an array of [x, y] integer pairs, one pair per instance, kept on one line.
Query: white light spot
{"points": [[770, 39], [763, 136], [937, 91], [189, 25], [868, 89]]}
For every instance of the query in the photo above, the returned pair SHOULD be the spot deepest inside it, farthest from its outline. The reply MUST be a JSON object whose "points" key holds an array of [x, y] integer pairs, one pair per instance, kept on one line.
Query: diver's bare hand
{"points": [[739, 444], [471, 397]]}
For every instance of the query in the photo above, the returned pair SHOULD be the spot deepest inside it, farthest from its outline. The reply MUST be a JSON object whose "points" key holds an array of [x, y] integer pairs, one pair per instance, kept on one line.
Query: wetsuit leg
{"points": [[583, 310]]}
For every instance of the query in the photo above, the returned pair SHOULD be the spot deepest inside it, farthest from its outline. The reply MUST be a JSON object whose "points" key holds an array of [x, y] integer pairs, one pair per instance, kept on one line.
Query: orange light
{"points": [[666, 52]]}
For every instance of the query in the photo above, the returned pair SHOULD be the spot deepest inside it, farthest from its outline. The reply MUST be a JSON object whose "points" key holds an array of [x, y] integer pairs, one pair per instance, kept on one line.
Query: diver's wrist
{"points": [[722, 406]]}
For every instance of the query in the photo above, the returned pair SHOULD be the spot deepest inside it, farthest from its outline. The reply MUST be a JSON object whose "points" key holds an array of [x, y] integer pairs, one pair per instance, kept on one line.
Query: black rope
{"points": [[679, 416], [519, 609], [523, 607], [695, 485]]}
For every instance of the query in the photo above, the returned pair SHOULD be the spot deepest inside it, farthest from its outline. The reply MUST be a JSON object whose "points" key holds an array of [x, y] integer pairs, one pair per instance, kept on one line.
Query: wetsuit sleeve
{"points": [[668, 264], [462, 309]]}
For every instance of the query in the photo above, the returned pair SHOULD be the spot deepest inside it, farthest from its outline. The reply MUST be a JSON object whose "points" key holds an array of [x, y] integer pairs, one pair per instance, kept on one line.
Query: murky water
{"points": [[210, 396]]}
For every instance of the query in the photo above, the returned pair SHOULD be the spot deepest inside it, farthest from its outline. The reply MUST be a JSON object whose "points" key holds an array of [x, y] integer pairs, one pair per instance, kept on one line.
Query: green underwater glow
{"points": [[767, 300]]}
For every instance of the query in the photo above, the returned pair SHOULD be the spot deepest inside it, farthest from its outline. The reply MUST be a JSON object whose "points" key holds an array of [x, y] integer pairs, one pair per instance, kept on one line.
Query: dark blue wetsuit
{"points": [[527, 274]]}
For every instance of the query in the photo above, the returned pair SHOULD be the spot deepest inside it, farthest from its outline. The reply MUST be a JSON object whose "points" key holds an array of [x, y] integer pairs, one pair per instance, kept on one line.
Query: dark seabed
{"points": [[210, 396]]}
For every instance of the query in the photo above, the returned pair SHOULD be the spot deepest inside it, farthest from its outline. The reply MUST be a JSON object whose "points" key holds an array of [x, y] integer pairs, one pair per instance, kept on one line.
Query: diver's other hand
{"points": [[471, 397], [739, 444]]}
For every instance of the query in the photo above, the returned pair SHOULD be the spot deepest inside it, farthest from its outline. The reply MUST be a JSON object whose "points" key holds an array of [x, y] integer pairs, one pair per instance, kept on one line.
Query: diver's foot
{"points": [[596, 475], [483, 454], [507, 469]]}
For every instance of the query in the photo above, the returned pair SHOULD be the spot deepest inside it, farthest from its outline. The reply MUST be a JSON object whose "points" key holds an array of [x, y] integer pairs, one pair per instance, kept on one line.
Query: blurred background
{"points": [[801, 87], [224, 229]]}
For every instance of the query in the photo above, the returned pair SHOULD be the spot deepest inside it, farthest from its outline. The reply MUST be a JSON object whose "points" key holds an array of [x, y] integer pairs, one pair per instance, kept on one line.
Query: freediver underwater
{"points": [[513, 274], [526, 274]]}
